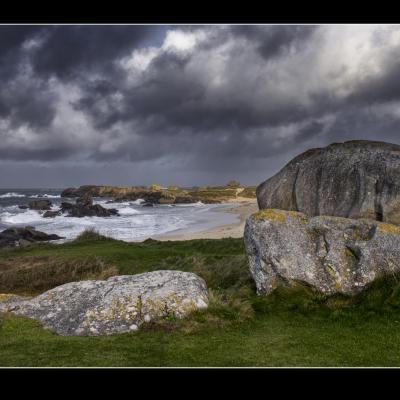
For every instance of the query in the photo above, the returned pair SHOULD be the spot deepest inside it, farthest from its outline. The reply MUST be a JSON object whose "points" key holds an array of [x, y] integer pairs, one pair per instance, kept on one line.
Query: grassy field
{"points": [[292, 327]]}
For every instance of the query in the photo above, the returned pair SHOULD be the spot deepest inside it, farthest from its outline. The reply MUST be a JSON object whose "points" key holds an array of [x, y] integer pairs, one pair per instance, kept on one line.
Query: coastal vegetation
{"points": [[295, 326]]}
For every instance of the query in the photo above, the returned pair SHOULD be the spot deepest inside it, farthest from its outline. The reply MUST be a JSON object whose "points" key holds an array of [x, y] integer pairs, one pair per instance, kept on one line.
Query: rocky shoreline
{"points": [[159, 195]]}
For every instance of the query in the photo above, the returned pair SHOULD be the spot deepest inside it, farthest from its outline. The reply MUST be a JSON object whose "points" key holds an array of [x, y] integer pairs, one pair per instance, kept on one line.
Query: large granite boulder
{"points": [[356, 179], [14, 237], [333, 254], [118, 304]]}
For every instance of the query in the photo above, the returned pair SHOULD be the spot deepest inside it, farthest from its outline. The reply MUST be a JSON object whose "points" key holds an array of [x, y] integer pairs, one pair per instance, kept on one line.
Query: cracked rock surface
{"points": [[355, 179], [116, 305], [333, 254]]}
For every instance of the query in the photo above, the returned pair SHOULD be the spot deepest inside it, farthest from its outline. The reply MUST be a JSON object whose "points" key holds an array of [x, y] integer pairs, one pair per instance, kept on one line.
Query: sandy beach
{"points": [[241, 206]]}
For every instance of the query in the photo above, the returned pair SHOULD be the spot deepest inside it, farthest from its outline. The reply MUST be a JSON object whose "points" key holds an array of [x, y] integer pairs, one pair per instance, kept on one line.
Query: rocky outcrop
{"points": [[84, 207], [155, 196], [149, 196], [92, 190], [356, 179], [14, 237], [40, 205], [101, 191], [332, 254], [118, 304]]}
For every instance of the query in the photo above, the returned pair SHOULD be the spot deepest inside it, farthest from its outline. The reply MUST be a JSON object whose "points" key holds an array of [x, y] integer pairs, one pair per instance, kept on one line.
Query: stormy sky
{"points": [[187, 105]]}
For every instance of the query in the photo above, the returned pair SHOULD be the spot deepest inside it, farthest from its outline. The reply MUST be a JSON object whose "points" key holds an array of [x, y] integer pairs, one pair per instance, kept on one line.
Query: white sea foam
{"points": [[197, 204], [138, 201], [48, 196], [28, 217], [11, 194]]}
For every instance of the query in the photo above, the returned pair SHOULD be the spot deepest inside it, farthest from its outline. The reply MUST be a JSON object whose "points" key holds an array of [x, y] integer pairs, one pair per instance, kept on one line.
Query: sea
{"points": [[135, 223]]}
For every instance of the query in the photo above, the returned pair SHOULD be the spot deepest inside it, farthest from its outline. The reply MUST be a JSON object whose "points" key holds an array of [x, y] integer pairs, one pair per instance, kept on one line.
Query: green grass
{"points": [[292, 327]]}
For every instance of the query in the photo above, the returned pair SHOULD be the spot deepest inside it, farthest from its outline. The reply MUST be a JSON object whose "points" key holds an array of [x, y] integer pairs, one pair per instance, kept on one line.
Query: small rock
{"points": [[51, 214]]}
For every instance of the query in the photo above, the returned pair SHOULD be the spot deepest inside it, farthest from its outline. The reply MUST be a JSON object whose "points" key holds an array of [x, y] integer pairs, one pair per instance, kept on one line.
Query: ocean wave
{"points": [[27, 217], [11, 194], [138, 201], [48, 196], [197, 204], [127, 211]]}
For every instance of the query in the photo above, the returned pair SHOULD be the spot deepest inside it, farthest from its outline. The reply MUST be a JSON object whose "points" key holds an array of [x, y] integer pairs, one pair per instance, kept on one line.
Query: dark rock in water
{"points": [[23, 207], [184, 200], [13, 237], [40, 205], [333, 254], [92, 190], [356, 179], [166, 198], [69, 192], [84, 207], [66, 206], [147, 204], [51, 214], [85, 200]]}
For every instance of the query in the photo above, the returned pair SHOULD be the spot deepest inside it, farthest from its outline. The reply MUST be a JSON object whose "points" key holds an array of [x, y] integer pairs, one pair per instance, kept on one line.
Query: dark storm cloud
{"points": [[382, 88], [12, 37], [28, 102], [68, 50], [172, 96], [275, 40], [206, 99], [60, 51]]}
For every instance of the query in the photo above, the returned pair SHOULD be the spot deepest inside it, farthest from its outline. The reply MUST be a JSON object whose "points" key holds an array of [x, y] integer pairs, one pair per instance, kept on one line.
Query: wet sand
{"points": [[243, 207]]}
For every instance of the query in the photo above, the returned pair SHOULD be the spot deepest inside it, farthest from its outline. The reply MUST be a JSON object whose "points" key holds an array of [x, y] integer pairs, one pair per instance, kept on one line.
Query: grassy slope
{"points": [[292, 327]]}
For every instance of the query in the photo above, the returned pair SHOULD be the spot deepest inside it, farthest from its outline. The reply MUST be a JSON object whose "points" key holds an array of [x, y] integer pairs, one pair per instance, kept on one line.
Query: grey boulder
{"points": [[116, 305], [356, 179], [333, 254]]}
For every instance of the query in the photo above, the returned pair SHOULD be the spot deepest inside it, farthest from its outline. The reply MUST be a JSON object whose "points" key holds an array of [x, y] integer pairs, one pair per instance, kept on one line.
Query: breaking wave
{"points": [[11, 194]]}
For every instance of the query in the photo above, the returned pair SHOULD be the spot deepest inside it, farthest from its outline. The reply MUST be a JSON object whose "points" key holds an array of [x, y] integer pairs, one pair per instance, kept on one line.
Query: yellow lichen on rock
{"points": [[271, 214], [388, 228], [279, 215], [6, 296]]}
